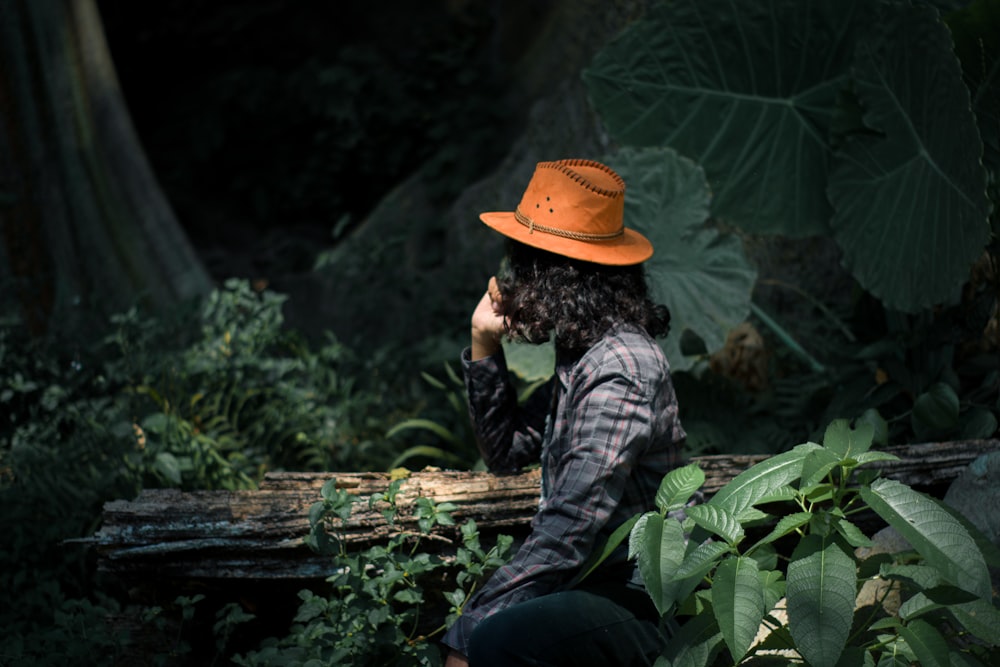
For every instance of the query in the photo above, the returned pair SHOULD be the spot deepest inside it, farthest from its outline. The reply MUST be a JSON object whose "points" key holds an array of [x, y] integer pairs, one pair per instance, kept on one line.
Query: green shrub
{"points": [[806, 501], [383, 598], [208, 399]]}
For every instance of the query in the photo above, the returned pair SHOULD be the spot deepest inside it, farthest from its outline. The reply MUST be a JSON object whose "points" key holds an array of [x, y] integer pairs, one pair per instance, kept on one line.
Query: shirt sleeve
{"points": [[609, 426], [509, 435]]}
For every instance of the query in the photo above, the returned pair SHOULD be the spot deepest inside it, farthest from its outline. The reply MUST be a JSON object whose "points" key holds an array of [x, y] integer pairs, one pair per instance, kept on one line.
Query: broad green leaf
{"points": [[598, 556], [927, 643], [762, 480], [696, 644], [696, 564], [738, 602], [874, 456], [169, 466], [658, 544], [787, 524], [893, 659], [718, 521], [980, 618], [978, 423], [746, 89], [785, 493], [926, 601], [157, 423], [923, 577], [852, 534], [530, 362], [753, 516], [880, 427], [700, 274], [933, 532], [935, 412], [772, 582], [847, 442], [817, 465], [910, 197], [765, 555], [821, 587], [678, 486], [856, 656]]}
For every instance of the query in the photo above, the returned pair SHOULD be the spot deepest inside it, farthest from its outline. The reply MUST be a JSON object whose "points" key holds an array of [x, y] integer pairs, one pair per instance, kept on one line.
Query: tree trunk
{"points": [[83, 222], [166, 534]]}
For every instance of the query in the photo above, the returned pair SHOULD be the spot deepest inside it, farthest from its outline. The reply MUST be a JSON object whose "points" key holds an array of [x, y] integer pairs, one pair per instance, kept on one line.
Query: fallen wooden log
{"points": [[230, 535]]}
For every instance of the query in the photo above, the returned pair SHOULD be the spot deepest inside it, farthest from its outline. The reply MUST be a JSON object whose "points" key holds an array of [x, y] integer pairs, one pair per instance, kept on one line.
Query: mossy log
{"points": [[238, 535]]}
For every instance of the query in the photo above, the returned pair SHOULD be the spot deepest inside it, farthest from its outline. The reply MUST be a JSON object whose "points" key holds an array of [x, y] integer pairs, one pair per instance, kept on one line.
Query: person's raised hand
{"points": [[487, 323]]}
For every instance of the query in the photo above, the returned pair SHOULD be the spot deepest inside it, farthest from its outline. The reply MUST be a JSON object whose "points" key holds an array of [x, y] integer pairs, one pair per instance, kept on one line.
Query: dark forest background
{"points": [[276, 126]]}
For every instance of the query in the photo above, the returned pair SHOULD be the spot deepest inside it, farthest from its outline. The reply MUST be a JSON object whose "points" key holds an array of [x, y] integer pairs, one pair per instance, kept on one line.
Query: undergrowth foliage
{"points": [[373, 613], [722, 573], [208, 399]]}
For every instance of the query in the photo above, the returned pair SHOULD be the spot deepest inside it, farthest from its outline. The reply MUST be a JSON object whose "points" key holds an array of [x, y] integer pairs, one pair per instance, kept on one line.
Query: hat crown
{"points": [[582, 198], [574, 208]]}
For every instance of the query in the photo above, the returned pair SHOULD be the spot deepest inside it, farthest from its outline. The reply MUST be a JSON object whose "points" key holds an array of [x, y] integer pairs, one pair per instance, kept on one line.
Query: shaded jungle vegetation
{"points": [[803, 289]]}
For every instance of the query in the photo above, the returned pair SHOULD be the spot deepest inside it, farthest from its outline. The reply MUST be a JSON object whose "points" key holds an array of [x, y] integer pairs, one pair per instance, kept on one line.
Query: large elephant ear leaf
{"points": [[700, 274], [910, 199], [745, 89]]}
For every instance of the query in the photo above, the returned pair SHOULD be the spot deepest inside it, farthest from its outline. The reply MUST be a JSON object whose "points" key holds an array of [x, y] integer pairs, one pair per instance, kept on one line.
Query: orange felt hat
{"points": [[574, 208]]}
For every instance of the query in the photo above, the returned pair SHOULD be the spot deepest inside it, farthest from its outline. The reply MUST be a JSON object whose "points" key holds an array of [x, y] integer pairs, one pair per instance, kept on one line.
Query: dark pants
{"points": [[605, 624]]}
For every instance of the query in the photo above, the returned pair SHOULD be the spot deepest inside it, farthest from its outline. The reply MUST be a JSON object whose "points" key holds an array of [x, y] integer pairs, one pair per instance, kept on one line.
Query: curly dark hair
{"points": [[545, 294]]}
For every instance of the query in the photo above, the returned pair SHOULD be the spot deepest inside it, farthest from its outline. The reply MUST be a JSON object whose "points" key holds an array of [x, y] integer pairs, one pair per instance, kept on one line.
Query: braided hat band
{"points": [[574, 208]]}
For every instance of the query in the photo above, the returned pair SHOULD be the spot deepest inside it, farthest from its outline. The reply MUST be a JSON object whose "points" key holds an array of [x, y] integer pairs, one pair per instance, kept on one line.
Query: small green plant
{"points": [[380, 610], [458, 444], [812, 558]]}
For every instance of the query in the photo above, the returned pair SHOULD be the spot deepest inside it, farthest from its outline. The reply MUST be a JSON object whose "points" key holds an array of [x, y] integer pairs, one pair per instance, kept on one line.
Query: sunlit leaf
{"points": [[696, 564], [787, 524], [678, 486], [718, 521], [762, 480], [821, 586], [817, 465], [658, 544], [933, 532], [738, 602]]}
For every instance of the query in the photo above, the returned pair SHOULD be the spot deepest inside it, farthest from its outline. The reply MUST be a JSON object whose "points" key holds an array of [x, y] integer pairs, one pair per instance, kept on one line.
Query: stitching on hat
{"points": [[565, 166], [555, 231]]}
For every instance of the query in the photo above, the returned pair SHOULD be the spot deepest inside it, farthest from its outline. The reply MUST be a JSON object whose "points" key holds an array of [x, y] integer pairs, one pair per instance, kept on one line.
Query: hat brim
{"points": [[629, 248]]}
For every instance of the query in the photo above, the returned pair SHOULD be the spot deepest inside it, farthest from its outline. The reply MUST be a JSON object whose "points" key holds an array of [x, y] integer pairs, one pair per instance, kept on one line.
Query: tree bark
{"points": [[83, 222], [226, 535]]}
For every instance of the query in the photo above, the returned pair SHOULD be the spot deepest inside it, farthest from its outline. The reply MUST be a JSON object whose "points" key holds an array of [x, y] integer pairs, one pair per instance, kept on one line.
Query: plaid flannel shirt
{"points": [[606, 431]]}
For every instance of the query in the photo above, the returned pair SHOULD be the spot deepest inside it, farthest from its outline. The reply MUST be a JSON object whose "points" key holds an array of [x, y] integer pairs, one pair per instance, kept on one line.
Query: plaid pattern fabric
{"points": [[606, 432]]}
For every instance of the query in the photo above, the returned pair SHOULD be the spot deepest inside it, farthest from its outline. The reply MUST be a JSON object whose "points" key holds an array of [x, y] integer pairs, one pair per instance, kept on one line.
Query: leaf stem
{"points": [[787, 339]]}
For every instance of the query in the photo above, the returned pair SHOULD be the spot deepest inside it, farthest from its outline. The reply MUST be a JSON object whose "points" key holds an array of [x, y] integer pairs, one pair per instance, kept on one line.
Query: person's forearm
{"points": [[484, 344]]}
